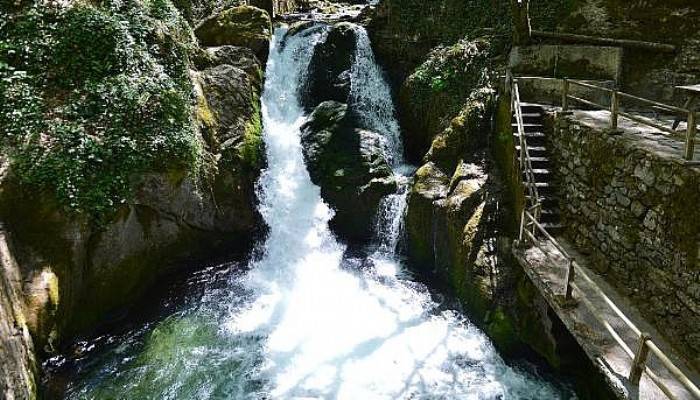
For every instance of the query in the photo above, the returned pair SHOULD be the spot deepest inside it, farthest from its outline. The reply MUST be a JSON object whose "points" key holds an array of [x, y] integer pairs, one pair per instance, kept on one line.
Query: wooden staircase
{"points": [[533, 124]]}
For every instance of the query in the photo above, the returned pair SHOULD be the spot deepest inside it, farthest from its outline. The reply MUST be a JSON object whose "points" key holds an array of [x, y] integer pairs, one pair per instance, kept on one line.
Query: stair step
{"points": [[529, 127], [532, 149], [553, 226], [548, 200], [541, 185], [535, 134], [530, 118], [531, 108], [540, 171]]}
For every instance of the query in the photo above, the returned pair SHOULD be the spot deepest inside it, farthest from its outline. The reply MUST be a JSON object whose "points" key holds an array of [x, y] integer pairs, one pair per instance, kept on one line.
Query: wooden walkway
{"points": [[547, 268]]}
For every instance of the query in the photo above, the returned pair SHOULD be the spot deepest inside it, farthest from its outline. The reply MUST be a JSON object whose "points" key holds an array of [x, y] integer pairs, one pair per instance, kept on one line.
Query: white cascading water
{"points": [[331, 332], [371, 100]]}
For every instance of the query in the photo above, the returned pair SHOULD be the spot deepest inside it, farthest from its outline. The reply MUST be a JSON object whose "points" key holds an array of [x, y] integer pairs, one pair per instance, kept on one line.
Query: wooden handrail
{"points": [[525, 160], [615, 113], [645, 343]]}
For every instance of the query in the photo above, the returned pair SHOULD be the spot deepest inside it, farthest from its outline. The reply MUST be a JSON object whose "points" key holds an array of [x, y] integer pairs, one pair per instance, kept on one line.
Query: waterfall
{"points": [[337, 333], [304, 322], [372, 102], [371, 99]]}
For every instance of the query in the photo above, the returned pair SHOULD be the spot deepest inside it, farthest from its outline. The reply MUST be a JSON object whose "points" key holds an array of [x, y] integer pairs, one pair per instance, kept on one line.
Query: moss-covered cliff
{"points": [[126, 148]]}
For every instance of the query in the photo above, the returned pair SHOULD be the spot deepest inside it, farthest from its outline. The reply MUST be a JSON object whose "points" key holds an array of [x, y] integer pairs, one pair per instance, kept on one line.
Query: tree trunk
{"points": [[522, 31]]}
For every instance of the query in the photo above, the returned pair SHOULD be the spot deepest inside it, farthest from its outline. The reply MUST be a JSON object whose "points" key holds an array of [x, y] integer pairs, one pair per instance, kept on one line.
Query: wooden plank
{"points": [[655, 103], [589, 103], [690, 88], [675, 371], [647, 122], [590, 86], [633, 44]]}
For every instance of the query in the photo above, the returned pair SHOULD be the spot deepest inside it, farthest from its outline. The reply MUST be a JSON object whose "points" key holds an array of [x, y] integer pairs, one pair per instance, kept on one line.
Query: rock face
{"points": [[244, 26], [17, 361], [77, 271], [97, 268], [330, 67], [459, 221], [450, 91], [349, 166]]}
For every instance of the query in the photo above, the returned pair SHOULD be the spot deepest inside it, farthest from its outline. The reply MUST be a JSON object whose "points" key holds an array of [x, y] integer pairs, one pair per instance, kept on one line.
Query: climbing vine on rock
{"points": [[93, 96]]}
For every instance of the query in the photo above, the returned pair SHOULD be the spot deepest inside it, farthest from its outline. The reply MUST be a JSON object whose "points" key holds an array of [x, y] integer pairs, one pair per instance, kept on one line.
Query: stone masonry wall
{"points": [[636, 213]]}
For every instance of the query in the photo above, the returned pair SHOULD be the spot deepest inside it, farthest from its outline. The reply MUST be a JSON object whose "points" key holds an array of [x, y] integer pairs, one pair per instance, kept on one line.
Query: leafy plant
{"points": [[93, 96]]}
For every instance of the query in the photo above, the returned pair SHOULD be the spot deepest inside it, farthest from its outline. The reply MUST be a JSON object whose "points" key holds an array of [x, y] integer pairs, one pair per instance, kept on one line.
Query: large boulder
{"points": [[430, 185], [330, 68], [438, 89], [350, 167], [236, 56], [466, 134], [244, 26]]}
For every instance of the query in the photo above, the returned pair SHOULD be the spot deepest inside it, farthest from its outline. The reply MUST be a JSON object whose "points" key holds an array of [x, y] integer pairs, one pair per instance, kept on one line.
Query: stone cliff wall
{"points": [[462, 206], [646, 73], [98, 215], [17, 362], [635, 212]]}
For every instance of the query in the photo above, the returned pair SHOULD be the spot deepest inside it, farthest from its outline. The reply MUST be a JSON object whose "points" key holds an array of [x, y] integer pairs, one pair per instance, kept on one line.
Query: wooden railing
{"points": [[525, 160], [616, 111], [529, 228]]}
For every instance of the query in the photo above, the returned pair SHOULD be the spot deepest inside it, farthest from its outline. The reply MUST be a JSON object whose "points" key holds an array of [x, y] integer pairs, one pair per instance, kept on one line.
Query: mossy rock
{"points": [[430, 185], [437, 91], [244, 26], [467, 133], [350, 167]]}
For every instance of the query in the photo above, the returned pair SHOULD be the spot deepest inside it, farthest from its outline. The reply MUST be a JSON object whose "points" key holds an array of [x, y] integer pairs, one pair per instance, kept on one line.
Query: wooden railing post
{"points": [[565, 96], [570, 275], [614, 109], [521, 237], [690, 136], [640, 358]]}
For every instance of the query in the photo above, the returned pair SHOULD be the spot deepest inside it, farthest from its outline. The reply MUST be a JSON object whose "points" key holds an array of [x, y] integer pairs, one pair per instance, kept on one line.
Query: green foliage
{"points": [[448, 78], [87, 46], [94, 96]]}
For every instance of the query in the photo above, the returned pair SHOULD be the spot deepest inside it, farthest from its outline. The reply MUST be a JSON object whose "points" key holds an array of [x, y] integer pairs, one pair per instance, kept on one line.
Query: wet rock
{"points": [[330, 67], [466, 133], [239, 57], [267, 5], [350, 167], [431, 185], [446, 95], [244, 26]]}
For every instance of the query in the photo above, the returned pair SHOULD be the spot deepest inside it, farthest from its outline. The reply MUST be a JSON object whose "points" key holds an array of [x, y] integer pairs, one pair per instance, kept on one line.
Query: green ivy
{"points": [[93, 96]]}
